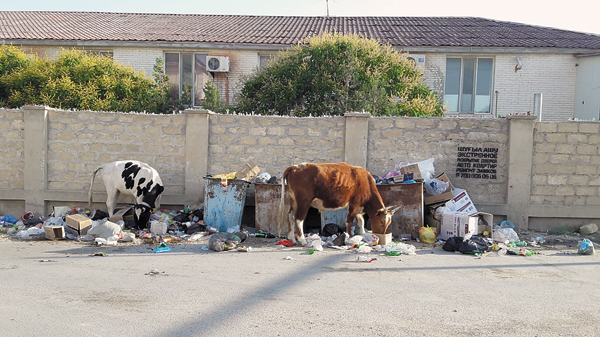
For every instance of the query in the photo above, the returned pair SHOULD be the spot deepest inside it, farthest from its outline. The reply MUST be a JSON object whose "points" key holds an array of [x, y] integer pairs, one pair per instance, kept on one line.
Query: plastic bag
{"points": [[427, 235], [223, 241], [475, 244], [400, 247], [586, 247], [503, 234], [436, 186], [105, 230]]}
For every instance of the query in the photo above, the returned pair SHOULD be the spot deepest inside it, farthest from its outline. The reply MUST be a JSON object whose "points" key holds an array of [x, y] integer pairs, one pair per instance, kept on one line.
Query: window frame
{"points": [[181, 75], [475, 75]]}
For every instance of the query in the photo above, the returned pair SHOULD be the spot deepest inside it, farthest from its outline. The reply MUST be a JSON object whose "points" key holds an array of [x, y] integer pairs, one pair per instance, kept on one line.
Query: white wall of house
{"points": [[142, 59], [587, 95], [552, 75]]}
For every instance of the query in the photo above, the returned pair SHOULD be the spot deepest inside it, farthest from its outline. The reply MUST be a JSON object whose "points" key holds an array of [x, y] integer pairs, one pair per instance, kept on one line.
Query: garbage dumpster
{"points": [[224, 206], [407, 220], [267, 200]]}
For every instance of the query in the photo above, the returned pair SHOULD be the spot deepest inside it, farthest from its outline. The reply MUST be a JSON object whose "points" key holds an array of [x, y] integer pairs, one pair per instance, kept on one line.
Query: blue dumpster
{"points": [[337, 216], [224, 206]]}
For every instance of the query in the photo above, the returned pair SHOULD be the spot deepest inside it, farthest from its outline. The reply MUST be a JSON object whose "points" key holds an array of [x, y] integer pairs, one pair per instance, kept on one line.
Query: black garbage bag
{"points": [[198, 213], [341, 239], [453, 244], [223, 241], [195, 227], [99, 215], [32, 221], [476, 244], [182, 217], [243, 235], [330, 229]]}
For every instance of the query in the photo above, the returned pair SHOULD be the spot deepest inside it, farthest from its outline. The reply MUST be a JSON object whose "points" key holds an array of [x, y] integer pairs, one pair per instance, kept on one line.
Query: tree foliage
{"points": [[332, 74], [79, 80]]}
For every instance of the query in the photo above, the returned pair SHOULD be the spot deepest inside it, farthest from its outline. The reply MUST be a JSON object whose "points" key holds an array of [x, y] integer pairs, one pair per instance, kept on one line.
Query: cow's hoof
{"points": [[303, 241]]}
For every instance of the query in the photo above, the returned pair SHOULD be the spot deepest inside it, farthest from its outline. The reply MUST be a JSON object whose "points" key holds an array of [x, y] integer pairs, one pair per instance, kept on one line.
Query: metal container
{"points": [[267, 200], [337, 216], [409, 218], [224, 206]]}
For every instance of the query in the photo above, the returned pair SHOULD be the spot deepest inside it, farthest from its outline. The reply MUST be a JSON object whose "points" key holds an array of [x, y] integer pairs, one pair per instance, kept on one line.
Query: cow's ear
{"points": [[159, 189], [393, 209]]}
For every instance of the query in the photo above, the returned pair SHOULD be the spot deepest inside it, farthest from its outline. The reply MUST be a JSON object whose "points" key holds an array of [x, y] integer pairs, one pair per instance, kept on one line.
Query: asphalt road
{"points": [[59, 289]]}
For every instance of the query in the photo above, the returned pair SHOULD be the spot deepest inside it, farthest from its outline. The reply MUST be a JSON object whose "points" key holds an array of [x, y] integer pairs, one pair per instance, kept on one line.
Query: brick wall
{"points": [[142, 59], [273, 143], [78, 142], [566, 164], [408, 140], [12, 157]]}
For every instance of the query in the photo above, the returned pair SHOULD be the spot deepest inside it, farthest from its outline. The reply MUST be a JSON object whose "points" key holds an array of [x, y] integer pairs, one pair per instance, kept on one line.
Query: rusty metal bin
{"points": [[409, 218], [266, 207], [224, 206]]}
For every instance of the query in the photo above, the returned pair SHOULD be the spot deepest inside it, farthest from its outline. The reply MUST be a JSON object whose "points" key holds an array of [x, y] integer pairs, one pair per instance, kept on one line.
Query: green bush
{"points": [[78, 80], [332, 74]]}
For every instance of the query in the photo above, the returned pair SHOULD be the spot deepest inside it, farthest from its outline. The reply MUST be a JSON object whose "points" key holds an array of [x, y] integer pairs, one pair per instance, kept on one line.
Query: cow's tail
{"points": [[282, 219], [91, 185]]}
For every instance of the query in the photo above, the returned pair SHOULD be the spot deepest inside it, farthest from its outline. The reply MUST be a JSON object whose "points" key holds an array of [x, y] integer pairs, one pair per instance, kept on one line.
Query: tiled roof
{"points": [[240, 29]]}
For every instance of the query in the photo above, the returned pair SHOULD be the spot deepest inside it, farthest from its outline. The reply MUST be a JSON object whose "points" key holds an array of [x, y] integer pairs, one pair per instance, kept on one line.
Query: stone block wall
{"points": [[458, 146], [566, 164], [273, 143], [12, 156], [80, 141]]}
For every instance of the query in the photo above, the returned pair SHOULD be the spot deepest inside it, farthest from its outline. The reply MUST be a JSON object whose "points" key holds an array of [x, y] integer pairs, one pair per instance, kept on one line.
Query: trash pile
{"points": [[363, 244]]}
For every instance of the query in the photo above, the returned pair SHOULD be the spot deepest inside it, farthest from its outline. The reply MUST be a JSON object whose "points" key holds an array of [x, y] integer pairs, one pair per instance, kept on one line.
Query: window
{"points": [[264, 61], [187, 75], [468, 87]]}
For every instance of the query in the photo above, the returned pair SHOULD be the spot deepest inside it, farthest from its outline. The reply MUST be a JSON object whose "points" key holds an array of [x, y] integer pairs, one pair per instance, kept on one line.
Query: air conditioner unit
{"points": [[419, 59], [217, 63]]}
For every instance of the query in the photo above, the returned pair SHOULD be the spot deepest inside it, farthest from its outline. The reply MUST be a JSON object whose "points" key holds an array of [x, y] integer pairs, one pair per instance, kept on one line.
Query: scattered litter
{"points": [[155, 272], [285, 243], [365, 259], [365, 249], [99, 254], [288, 258], [244, 249], [162, 249], [47, 261], [586, 247]]}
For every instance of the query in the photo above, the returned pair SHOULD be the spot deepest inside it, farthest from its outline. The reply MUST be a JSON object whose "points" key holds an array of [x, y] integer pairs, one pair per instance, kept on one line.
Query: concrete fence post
{"points": [[520, 163], [356, 138], [197, 129], [35, 135]]}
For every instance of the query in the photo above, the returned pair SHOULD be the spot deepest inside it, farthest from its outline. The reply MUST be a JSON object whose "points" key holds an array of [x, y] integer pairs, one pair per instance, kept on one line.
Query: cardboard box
{"points": [[54, 232], [78, 224], [121, 214], [461, 203], [416, 176], [455, 224], [447, 195], [248, 171]]}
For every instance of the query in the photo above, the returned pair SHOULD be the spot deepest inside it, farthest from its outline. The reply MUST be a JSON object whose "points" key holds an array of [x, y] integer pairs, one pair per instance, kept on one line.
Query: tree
{"points": [[332, 74], [212, 98]]}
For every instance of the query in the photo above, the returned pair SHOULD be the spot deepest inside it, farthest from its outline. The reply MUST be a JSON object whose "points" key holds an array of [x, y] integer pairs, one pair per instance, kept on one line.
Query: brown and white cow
{"points": [[328, 187]]}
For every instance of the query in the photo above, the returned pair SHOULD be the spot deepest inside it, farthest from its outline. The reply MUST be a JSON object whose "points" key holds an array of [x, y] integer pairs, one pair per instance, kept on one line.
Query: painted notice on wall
{"points": [[477, 162]]}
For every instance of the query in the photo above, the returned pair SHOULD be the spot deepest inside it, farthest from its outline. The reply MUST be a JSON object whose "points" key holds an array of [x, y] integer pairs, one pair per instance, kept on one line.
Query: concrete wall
{"points": [[533, 173]]}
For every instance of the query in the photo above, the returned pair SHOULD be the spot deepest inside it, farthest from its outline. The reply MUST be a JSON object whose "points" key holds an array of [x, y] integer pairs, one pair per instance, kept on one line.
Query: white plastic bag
{"points": [[503, 234], [436, 186]]}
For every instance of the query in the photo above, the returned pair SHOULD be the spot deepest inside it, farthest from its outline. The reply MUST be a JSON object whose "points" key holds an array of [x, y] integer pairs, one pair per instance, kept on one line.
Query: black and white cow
{"points": [[133, 178]]}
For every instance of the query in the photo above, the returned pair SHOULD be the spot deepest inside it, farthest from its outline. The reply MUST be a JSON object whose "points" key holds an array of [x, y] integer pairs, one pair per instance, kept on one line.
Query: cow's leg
{"points": [[111, 200], [361, 224], [300, 215], [352, 214]]}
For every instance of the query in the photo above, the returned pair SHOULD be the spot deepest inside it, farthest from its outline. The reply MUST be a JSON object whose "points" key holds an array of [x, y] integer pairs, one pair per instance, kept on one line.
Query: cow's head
{"points": [[383, 219], [141, 215]]}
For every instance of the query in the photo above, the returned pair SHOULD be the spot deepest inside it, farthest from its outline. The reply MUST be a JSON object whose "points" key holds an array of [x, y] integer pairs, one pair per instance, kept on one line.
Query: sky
{"points": [[575, 15]]}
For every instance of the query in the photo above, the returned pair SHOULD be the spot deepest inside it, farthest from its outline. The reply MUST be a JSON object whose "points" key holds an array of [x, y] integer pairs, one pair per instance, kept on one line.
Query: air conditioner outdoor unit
{"points": [[217, 63], [418, 58]]}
